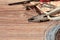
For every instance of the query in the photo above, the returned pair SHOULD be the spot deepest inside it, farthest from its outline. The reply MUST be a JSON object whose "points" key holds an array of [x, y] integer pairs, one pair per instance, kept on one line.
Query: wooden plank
{"points": [[15, 26]]}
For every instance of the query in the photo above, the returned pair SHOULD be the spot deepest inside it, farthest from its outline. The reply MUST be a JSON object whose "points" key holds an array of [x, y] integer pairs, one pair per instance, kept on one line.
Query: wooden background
{"points": [[15, 26]]}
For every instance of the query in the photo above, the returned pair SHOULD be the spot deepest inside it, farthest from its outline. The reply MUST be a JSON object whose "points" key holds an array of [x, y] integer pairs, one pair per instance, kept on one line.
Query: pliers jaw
{"points": [[38, 18]]}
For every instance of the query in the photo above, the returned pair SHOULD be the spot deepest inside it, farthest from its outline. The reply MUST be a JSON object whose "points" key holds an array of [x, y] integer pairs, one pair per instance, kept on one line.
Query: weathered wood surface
{"points": [[14, 24]]}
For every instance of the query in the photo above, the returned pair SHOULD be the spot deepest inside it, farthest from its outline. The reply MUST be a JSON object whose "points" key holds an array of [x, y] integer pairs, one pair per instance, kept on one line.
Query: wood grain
{"points": [[15, 26]]}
